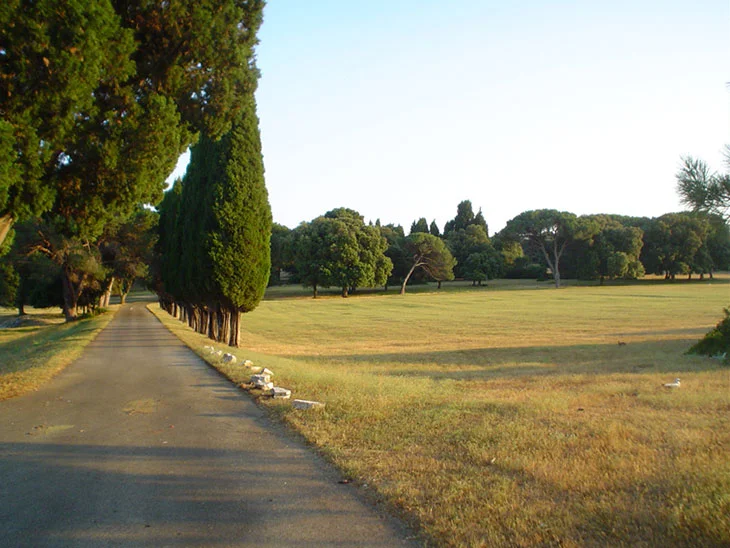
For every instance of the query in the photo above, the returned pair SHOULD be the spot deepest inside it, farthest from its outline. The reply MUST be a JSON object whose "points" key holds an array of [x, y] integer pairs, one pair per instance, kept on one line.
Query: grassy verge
{"points": [[30, 356], [493, 417]]}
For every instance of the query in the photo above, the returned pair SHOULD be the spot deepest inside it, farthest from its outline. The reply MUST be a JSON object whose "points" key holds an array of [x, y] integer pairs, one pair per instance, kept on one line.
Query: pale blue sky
{"points": [[402, 108]]}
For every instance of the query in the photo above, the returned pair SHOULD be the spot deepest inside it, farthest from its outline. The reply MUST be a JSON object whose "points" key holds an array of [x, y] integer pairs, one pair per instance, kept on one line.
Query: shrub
{"points": [[717, 341]]}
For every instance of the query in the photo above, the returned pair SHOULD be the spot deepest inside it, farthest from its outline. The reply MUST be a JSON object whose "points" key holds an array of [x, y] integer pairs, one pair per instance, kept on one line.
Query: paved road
{"points": [[140, 443]]}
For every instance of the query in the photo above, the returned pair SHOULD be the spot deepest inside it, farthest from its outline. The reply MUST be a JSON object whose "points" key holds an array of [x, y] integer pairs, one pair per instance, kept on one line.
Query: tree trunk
{"points": [[226, 328], [439, 286], [403, 287], [106, 297], [21, 309], [314, 290], [70, 297], [344, 292], [6, 223], [234, 338]]}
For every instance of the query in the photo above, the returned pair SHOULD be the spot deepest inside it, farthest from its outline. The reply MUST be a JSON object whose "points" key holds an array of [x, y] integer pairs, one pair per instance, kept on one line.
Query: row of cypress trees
{"points": [[215, 231]]}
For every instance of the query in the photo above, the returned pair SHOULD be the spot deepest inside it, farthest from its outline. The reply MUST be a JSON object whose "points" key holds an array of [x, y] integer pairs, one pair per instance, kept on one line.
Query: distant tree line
{"points": [[539, 244]]}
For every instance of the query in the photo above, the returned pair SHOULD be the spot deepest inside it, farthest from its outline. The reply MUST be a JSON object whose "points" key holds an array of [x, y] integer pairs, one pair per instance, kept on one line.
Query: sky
{"points": [[401, 109]]}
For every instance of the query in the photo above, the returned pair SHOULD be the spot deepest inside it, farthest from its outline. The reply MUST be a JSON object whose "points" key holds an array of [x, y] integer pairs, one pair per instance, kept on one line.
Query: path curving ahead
{"points": [[140, 443]]}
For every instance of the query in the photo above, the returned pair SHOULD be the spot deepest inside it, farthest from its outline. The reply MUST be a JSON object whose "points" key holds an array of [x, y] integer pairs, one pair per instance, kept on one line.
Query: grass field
{"points": [[32, 354], [490, 417]]}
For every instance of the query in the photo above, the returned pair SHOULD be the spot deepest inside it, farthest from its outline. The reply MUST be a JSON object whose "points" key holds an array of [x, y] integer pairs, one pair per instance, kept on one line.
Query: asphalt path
{"points": [[140, 443]]}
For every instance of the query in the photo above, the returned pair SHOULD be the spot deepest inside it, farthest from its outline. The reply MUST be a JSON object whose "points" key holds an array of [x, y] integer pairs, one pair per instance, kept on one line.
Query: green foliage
{"points": [[546, 231], [473, 240], [433, 229], [430, 254], [603, 248], [340, 250], [717, 341], [703, 190], [671, 243], [60, 57], [9, 284], [464, 218], [280, 256], [421, 225], [127, 248], [240, 237], [482, 266]]}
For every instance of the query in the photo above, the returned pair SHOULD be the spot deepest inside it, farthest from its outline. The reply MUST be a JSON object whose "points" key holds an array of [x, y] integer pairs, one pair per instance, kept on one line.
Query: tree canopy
{"points": [[547, 230], [430, 254], [339, 250], [100, 98], [704, 190]]}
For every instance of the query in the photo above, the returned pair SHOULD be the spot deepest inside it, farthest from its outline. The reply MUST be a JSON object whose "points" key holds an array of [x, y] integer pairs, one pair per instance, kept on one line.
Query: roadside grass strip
{"points": [[31, 356]]}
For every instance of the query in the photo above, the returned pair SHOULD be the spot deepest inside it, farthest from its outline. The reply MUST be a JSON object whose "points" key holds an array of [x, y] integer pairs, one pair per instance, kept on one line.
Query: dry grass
{"points": [[491, 418], [32, 355]]}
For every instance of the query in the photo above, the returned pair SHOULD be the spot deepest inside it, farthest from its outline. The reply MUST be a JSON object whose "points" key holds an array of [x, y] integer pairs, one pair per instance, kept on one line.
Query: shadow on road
{"points": [[153, 496]]}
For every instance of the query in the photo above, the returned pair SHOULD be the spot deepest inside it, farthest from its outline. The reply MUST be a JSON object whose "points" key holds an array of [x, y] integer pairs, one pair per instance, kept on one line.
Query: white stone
{"points": [[279, 393], [229, 358], [307, 404], [247, 363], [219, 353], [259, 381], [208, 349], [267, 372]]}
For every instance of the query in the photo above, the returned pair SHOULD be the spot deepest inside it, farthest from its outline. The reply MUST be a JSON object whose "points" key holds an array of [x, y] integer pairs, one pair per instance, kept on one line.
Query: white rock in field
{"points": [[279, 393], [674, 384], [229, 358], [208, 349], [267, 372], [219, 353], [247, 363], [307, 404], [266, 386], [259, 381], [256, 369]]}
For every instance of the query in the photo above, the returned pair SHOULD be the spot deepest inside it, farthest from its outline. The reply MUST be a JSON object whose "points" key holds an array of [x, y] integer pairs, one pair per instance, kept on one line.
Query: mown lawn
{"points": [[44, 345], [491, 417]]}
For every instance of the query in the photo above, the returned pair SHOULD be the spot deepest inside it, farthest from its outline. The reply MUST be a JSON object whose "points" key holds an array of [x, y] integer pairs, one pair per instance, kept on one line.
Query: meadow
{"points": [[490, 416]]}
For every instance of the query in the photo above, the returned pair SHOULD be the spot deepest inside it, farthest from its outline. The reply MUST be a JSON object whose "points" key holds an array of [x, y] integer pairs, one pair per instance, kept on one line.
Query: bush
{"points": [[717, 341]]}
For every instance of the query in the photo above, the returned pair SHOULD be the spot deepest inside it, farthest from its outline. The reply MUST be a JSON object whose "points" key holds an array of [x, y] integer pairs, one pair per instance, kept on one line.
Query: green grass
{"points": [[491, 417], [32, 355]]}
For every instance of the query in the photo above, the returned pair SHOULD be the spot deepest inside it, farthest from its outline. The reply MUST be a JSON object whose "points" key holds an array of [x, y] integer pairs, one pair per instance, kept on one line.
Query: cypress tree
{"points": [[239, 243]]}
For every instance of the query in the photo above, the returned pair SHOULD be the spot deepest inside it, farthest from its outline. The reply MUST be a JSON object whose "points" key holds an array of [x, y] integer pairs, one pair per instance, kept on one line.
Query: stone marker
{"points": [[267, 372], [259, 381], [229, 358], [279, 393], [306, 404]]}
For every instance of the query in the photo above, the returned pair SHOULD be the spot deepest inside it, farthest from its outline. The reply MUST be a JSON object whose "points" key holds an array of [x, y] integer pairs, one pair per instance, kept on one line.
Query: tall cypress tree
{"points": [[239, 243]]}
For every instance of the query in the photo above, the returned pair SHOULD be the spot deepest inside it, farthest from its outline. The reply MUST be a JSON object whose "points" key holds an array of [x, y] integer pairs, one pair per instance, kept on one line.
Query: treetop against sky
{"points": [[401, 109]]}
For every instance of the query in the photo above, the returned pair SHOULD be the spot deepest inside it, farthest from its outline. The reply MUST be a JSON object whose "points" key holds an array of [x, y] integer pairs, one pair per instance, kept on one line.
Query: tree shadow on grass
{"points": [[646, 357]]}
